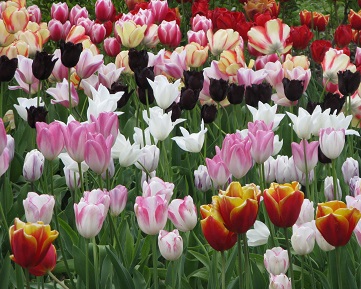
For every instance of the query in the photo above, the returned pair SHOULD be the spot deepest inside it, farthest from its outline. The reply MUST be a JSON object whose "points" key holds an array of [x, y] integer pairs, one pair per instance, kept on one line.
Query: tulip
{"points": [[276, 261], [302, 124], [259, 235], [319, 48], [329, 189], [72, 178], [218, 170], [196, 54], [60, 93], [283, 203], [15, 19], [75, 136], [300, 37], [118, 199], [303, 240], [104, 10], [165, 93], [97, 152], [112, 46], [30, 242], [314, 20], [169, 33], [332, 142], [126, 152], [159, 9], [98, 33], [260, 38], [191, 142], [306, 214], [131, 34], [355, 19], [222, 39], [170, 244], [238, 206], [47, 264], [50, 139], [305, 155], [148, 158], [176, 64], [89, 218], [38, 208], [151, 213], [336, 222], [7, 68], [157, 187], [43, 65], [33, 166], [216, 234], [6, 38], [70, 53], [183, 213], [280, 282], [199, 37], [60, 12], [88, 64], [348, 82], [202, 181], [106, 123], [77, 12], [343, 35], [262, 145], [200, 22]]}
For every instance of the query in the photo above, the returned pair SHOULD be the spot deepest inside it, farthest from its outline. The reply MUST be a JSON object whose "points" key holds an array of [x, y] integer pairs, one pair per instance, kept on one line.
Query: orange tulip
{"points": [[30, 242], [283, 203], [238, 206], [336, 222], [355, 19], [214, 231]]}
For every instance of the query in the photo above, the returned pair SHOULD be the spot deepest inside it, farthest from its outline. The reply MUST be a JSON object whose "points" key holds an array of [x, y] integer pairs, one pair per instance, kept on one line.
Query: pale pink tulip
{"points": [[305, 155], [96, 197], [247, 77], [276, 261], [350, 169], [199, 37], [97, 152], [157, 187], [75, 136], [88, 64], [217, 169], [280, 282], [151, 213], [5, 159], [262, 140], [106, 123], [200, 22], [50, 139], [151, 38], [202, 181], [3, 136], [170, 244], [332, 142], [38, 208], [33, 165], [34, 13], [86, 23], [59, 71], [60, 12], [118, 199], [183, 214], [60, 93]]}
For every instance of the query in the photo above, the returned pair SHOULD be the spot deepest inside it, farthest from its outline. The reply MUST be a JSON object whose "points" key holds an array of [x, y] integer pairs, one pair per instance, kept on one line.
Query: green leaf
{"points": [[5, 272], [202, 258], [80, 267]]}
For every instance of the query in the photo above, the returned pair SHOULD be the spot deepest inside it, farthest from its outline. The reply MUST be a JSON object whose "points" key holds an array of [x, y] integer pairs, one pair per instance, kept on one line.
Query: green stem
{"points": [[334, 178], [96, 263], [313, 281], [338, 267], [302, 273], [306, 167], [111, 221], [290, 269], [100, 181], [240, 271], [247, 263], [223, 270], [57, 280], [27, 277], [87, 263], [81, 177], [69, 90], [155, 263], [4, 218], [38, 94]]}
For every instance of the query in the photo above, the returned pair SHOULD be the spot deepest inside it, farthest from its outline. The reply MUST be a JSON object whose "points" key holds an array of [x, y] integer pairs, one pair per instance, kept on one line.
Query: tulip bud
{"points": [[208, 113], [332, 142], [148, 158], [170, 244], [112, 46], [183, 214], [34, 13], [104, 10], [43, 65], [118, 199], [60, 12], [70, 53], [202, 180], [329, 189], [280, 282], [303, 240], [33, 166], [7, 68], [276, 261], [15, 19], [169, 33], [307, 212], [218, 89], [157, 187], [39, 208], [72, 178], [350, 169]]}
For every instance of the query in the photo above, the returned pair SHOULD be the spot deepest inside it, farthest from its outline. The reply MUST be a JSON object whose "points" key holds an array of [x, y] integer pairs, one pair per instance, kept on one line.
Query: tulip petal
{"points": [[334, 228]]}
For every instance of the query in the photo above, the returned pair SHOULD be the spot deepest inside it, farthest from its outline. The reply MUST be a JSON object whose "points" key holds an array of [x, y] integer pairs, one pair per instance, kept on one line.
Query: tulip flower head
{"points": [[43, 65], [50, 139], [259, 235], [276, 261], [332, 142], [70, 53], [191, 142], [283, 203], [183, 214], [303, 240], [336, 222], [170, 244], [202, 181], [39, 207]]}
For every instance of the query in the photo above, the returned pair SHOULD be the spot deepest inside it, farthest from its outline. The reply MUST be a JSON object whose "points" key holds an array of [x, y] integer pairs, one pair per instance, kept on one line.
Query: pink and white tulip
{"points": [[118, 199], [217, 170], [38, 208], [157, 187], [332, 142], [305, 155], [33, 165], [276, 261], [60, 93], [169, 33], [88, 64], [59, 11], [104, 10], [50, 139], [170, 244], [183, 214]]}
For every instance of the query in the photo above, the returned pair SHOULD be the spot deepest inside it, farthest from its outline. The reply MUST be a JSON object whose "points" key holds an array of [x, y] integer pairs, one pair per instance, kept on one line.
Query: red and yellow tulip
{"points": [[214, 231], [30, 242], [336, 222], [283, 203]]}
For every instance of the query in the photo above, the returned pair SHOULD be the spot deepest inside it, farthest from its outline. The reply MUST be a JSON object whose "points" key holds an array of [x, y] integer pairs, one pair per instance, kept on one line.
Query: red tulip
{"points": [[343, 35], [355, 19], [314, 20], [47, 264], [283, 203], [319, 49], [336, 222], [300, 36]]}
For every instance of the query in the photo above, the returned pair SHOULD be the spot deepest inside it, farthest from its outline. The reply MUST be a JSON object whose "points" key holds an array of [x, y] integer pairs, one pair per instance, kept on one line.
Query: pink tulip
{"points": [[201, 23], [34, 13], [107, 124], [3, 136], [236, 154], [104, 10], [176, 64], [261, 61], [96, 197], [33, 165], [169, 33], [159, 9], [157, 187], [332, 142], [202, 181], [170, 244], [38, 208], [10, 146], [86, 23], [88, 64], [350, 169], [60, 93], [59, 71], [60, 12], [262, 141], [118, 199], [218, 170], [72, 178], [247, 77], [183, 214], [77, 12], [199, 37], [97, 33], [151, 213], [5, 159], [276, 261], [50, 139], [151, 38], [58, 30], [75, 136], [89, 218], [305, 155], [97, 152], [112, 46]]}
